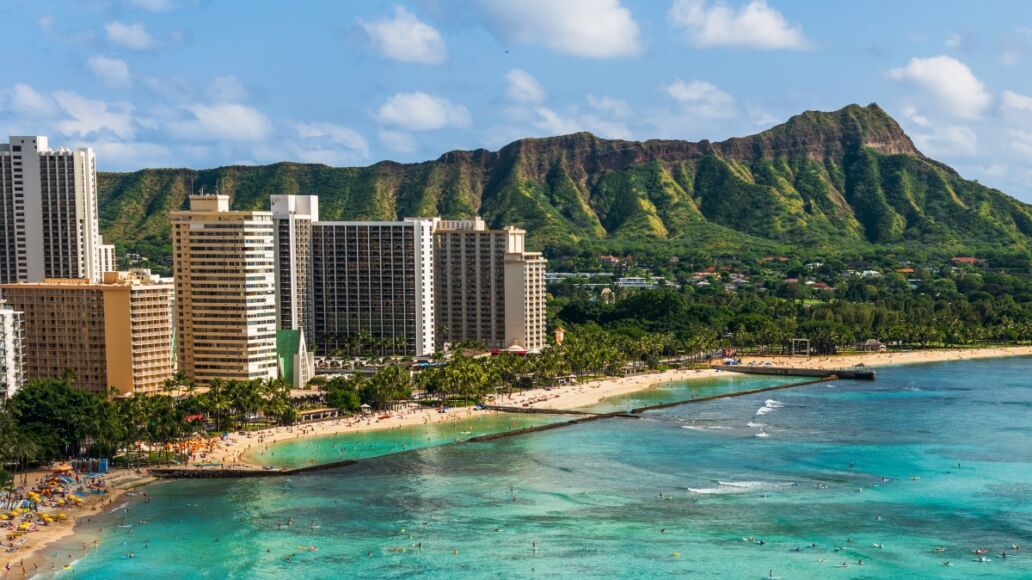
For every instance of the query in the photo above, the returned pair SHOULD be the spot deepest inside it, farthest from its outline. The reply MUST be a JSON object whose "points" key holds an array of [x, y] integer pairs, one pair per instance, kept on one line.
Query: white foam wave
{"points": [[754, 424], [728, 487], [119, 508], [703, 427], [763, 434], [768, 406]]}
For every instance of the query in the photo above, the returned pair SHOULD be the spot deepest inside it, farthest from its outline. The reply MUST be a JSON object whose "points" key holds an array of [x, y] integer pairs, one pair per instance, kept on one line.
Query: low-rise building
{"points": [[117, 334]]}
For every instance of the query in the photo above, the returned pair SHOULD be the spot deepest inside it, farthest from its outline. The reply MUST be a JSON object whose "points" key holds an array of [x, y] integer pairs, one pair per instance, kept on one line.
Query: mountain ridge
{"points": [[847, 178]]}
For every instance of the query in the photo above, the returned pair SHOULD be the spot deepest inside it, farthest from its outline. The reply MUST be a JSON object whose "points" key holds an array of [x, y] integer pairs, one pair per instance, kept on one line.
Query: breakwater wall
{"points": [[849, 374], [526, 430], [732, 395], [535, 410], [190, 473], [585, 417]]}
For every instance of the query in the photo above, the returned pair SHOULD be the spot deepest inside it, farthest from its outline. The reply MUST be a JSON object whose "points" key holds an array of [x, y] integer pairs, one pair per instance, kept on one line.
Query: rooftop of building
{"points": [[110, 279]]}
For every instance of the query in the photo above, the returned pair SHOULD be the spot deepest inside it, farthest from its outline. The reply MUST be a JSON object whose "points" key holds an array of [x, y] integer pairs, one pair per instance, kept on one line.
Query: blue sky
{"points": [[203, 83]]}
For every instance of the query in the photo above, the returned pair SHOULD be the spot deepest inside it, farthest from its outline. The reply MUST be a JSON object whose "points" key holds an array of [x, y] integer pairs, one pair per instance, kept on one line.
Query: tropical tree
{"points": [[391, 383]]}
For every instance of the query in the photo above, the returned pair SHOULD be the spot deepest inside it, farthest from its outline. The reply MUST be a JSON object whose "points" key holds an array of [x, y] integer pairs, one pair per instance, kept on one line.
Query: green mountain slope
{"points": [[828, 181]]}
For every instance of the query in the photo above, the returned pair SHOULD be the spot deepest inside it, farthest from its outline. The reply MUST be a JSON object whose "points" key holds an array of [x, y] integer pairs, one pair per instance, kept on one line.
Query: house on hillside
{"points": [[965, 261]]}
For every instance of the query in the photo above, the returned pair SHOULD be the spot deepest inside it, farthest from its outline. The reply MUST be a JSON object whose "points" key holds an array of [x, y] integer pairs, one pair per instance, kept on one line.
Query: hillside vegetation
{"points": [[849, 179]]}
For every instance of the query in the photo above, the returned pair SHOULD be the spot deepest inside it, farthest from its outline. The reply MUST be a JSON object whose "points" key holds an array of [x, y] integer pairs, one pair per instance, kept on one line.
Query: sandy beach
{"points": [[243, 451], [31, 551], [881, 359]]}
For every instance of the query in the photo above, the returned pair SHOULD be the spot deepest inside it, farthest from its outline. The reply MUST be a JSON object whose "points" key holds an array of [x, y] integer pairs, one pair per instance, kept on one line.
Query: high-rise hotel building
{"points": [[114, 334], [12, 364], [225, 291], [48, 212], [487, 287], [292, 219], [373, 286]]}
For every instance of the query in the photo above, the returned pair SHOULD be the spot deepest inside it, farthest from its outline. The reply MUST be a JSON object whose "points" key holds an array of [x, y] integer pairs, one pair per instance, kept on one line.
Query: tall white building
{"points": [[48, 212], [108, 262], [374, 287], [12, 363], [225, 299], [292, 219]]}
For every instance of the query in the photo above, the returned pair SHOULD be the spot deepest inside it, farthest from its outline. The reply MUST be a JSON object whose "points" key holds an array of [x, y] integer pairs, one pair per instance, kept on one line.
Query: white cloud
{"points": [[1021, 141], [1016, 101], [756, 25], [419, 111], [949, 82], [587, 28], [521, 87], [45, 23], [954, 40], [334, 134], [947, 140], [911, 112], [86, 117], [131, 36], [27, 101], [131, 155], [406, 38], [153, 5], [609, 106], [701, 99], [760, 116], [114, 72], [227, 89], [398, 141], [550, 122], [222, 122]]}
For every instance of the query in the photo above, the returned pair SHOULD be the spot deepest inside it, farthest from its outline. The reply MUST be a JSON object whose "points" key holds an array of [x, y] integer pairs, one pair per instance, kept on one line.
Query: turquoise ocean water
{"points": [[884, 472]]}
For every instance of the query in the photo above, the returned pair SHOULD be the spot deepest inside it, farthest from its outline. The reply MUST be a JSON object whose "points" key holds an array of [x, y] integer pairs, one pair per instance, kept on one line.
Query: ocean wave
{"points": [[763, 434], [119, 508], [703, 427], [768, 406], [728, 487], [754, 424]]}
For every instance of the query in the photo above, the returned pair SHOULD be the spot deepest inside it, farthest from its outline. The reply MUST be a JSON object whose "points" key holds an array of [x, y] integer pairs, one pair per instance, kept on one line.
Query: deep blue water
{"points": [[929, 455]]}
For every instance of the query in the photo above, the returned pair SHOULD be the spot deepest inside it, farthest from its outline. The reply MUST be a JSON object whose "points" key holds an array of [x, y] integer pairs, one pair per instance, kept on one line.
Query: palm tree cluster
{"points": [[52, 419], [389, 384]]}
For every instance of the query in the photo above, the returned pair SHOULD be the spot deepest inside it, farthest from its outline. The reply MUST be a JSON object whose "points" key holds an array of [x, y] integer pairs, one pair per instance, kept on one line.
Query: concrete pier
{"points": [[846, 374]]}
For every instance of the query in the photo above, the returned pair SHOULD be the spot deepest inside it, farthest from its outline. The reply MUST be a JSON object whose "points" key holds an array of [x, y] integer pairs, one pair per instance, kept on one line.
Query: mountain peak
{"points": [[820, 135]]}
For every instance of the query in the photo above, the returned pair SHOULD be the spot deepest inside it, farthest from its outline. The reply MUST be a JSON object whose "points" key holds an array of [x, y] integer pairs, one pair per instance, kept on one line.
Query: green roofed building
{"points": [[296, 364]]}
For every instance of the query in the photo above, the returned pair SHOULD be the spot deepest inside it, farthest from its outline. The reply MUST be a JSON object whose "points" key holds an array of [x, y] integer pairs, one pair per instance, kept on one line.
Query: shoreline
{"points": [[569, 397], [120, 482], [244, 451]]}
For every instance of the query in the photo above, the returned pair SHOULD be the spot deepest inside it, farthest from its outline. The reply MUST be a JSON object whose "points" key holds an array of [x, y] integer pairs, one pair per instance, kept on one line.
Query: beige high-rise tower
{"points": [[225, 291], [487, 287]]}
